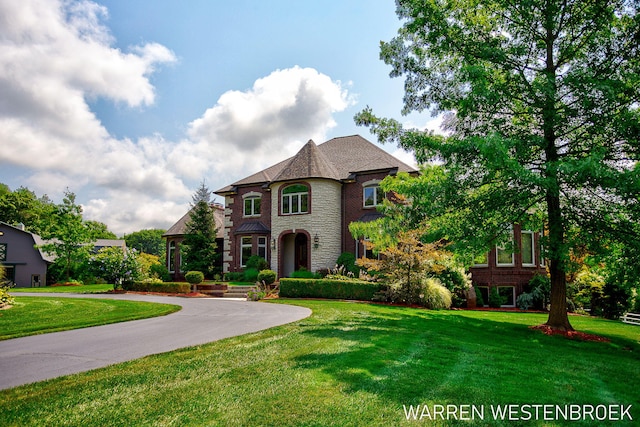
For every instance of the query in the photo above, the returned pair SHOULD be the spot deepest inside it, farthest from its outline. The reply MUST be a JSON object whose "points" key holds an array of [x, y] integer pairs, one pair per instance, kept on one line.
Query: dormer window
{"points": [[373, 196], [295, 199]]}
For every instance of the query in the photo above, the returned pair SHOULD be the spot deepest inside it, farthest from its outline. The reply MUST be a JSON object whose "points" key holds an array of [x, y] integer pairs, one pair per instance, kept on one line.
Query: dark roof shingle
{"points": [[335, 159]]}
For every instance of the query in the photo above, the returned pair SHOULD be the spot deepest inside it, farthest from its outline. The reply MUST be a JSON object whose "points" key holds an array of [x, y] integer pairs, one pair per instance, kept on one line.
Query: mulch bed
{"points": [[547, 330], [187, 295]]}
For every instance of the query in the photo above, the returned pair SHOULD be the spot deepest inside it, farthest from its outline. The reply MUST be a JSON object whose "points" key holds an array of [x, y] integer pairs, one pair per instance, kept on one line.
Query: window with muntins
{"points": [[528, 249], [252, 206], [373, 196], [262, 247], [295, 199], [245, 250], [504, 255]]}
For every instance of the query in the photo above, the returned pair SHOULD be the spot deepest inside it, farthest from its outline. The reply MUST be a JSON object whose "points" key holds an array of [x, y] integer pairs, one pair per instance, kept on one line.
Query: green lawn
{"points": [[37, 315], [82, 289], [349, 364]]}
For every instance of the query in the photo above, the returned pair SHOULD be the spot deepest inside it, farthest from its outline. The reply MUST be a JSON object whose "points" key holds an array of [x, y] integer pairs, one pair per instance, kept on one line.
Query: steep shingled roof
{"points": [[180, 227], [335, 159], [309, 162]]}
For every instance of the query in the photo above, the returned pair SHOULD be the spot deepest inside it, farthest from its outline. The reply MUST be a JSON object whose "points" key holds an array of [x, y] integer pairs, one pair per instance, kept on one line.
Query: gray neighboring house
{"points": [[24, 264]]}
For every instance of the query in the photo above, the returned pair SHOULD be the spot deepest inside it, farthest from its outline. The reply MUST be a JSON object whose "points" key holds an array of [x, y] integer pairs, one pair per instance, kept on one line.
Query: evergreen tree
{"points": [[199, 248], [541, 102]]}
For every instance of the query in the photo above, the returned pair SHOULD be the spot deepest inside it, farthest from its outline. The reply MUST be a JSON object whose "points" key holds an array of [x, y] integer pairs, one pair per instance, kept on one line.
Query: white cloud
{"points": [[127, 212], [247, 131], [58, 54]]}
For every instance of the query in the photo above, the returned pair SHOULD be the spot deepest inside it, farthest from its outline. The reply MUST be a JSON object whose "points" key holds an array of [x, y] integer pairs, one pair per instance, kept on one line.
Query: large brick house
{"points": [[296, 213]]}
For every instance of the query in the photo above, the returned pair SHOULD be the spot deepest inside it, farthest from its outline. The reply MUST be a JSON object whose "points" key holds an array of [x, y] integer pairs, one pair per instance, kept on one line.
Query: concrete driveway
{"points": [[201, 320]]}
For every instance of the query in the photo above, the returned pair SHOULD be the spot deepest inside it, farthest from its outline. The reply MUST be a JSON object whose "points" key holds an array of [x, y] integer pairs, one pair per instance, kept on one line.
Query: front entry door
{"points": [[301, 252]]}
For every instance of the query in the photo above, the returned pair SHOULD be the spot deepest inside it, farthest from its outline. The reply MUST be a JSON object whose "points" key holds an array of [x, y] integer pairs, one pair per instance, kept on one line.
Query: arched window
{"points": [[295, 199]]}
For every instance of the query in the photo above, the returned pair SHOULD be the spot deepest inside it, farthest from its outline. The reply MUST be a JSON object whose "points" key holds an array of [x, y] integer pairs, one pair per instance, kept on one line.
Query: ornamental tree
{"points": [[540, 104]]}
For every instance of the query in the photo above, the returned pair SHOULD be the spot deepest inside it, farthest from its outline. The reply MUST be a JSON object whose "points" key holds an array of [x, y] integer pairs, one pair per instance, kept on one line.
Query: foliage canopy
{"points": [[540, 102]]}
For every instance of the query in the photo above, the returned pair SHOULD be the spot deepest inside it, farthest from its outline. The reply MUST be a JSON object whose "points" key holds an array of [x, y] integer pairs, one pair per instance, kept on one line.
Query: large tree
{"points": [[199, 248], [68, 238], [149, 241], [540, 99], [22, 206]]}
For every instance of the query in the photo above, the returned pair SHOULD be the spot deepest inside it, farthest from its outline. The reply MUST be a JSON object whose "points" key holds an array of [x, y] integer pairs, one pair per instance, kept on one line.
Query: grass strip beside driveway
{"points": [[349, 364], [39, 315], [79, 289]]}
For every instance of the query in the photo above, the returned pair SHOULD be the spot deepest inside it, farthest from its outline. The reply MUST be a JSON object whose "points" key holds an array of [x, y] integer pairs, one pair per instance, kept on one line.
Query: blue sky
{"points": [[131, 104]]}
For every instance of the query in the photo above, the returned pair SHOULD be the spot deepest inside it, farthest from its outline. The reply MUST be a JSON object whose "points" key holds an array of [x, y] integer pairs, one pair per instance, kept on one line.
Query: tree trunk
{"points": [[558, 318]]}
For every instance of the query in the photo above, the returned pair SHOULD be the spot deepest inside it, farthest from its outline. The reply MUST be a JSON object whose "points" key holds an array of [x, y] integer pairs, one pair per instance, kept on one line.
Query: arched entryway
{"points": [[294, 252]]}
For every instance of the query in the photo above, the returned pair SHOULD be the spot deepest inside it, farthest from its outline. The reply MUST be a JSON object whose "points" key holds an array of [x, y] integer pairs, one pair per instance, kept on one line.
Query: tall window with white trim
{"points": [[528, 249]]}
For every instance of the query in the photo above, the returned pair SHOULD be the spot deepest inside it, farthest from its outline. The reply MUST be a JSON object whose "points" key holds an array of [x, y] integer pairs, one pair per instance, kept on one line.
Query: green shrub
{"points": [[495, 300], [267, 276], [347, 262], [194, 277], [256, 262], [165, 287], [330, 289], [303, 273], [456, 280], [524, 301], [479, 299], [617, 300], [234, 276], [250, 275], [160, 271]]}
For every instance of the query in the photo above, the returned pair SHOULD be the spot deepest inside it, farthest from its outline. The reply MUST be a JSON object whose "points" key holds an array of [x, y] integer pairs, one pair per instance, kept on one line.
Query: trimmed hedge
{"points": [[168, 287], [326, 288]]}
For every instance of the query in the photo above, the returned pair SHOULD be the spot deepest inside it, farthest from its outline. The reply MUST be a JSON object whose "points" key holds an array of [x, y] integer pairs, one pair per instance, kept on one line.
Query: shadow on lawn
{"points": [[410, 356]]}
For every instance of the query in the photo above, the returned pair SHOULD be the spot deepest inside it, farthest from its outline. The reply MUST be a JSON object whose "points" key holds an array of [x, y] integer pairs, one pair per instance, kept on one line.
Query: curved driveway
{"points": [[201, 320]]}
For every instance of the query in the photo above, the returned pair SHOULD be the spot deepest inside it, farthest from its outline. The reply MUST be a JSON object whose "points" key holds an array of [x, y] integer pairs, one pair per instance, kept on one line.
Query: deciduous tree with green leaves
{"points": [[69, 238], [149, 241], [199, 248], [540, 103]]}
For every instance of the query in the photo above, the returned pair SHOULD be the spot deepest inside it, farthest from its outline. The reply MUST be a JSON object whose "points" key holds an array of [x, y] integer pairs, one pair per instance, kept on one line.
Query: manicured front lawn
{"points": [[81, 289], [36, 315], [349, 364]]}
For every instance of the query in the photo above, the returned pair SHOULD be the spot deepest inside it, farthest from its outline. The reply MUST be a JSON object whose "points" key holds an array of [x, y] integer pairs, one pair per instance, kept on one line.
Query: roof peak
{"points": [[309, 162]]}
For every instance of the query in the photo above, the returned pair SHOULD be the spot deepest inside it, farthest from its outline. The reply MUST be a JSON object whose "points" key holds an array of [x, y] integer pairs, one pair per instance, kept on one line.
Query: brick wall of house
{"points": [[517, 275], [353, 207], [234, 218]]}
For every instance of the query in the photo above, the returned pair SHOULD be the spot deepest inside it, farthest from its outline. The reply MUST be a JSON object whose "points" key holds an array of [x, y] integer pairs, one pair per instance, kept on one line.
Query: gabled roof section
{"points": [[310, 162], [180, 227], [37, 240], [336, 159], [353, 154]]}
